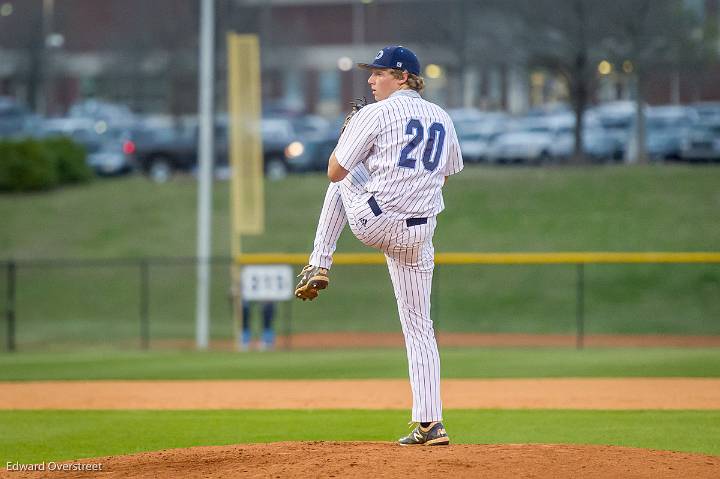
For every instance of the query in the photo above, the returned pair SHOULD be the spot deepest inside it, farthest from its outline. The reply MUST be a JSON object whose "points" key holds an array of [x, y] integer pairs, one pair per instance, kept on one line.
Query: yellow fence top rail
{"points": [[497, 258]]}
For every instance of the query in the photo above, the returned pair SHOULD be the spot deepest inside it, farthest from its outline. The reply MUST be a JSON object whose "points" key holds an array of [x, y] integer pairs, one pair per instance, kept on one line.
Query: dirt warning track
{"points": [[565, 393]]}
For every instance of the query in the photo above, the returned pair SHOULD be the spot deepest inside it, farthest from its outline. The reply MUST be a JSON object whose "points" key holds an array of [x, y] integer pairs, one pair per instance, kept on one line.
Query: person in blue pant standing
{"points": [[268, 333]]}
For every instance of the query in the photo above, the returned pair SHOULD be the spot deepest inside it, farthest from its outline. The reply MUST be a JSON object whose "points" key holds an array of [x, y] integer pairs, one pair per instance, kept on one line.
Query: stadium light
{"points": [[6, 9], [605, 67]]}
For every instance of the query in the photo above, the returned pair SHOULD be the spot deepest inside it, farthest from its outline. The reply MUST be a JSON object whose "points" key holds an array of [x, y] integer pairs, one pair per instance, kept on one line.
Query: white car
{"points": [[539, 139], [476, 133], [598, 144], [521, 147], [707, 111], [702, 143], [665, 129]]}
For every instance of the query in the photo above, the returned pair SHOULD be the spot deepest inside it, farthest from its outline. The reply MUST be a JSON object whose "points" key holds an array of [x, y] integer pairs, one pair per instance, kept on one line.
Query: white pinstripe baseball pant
{"points": [[410, 258]]}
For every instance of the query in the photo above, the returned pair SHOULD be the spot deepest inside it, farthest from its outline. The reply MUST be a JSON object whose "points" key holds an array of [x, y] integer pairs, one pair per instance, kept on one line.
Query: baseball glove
{"points": [[355, 107]]}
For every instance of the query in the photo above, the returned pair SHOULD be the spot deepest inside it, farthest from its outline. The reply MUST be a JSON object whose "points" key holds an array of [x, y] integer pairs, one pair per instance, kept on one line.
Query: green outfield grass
{"points": [[658, 208], [352, 364], [36, 436], [488, 209]]}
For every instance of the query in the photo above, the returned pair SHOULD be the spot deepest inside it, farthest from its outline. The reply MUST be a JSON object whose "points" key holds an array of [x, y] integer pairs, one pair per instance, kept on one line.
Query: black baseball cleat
{"points": [[312, 280], [433, 435]]}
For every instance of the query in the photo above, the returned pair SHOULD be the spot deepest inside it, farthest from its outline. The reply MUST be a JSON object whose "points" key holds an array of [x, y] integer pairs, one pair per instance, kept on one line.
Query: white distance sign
{"points": [[267, 283]]}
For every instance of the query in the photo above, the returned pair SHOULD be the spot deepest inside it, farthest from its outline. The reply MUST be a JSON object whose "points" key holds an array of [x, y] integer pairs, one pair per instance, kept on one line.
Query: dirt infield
{"points": [[623, 393], [300, 460], [364, 459]]}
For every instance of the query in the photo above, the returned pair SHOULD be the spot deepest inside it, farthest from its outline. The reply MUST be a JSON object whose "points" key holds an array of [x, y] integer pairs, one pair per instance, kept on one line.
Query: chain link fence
{"points": [[149, 303]]}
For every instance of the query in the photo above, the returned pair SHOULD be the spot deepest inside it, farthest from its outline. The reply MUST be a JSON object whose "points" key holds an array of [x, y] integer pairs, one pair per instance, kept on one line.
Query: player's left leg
{"points": [[412, 291], [411, 268], [411, 261]]}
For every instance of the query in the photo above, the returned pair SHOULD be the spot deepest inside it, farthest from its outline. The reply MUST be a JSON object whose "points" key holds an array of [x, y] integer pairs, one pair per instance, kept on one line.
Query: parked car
{"points": [[15, 120], [113, 155], [293, 143], [702, 143], [543, 138], [665, 129], [598, 144], [549, 109], [616, 118], [109, 151], [163, 151], [82, 130], [277, 133], [311, 154], [521, 147], [707, 111], [310, 126], [458, 115], [474, 145], [476, 133], [115, 115]]}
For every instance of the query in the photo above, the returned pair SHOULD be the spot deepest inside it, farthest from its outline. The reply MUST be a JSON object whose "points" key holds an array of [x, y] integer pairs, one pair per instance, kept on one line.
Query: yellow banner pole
{"points": [[247, 208]]}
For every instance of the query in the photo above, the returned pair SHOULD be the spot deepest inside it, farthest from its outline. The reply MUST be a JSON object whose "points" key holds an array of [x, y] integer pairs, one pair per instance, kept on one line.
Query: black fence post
{"points": [[10, 304], [144, 304], [580, 306]]}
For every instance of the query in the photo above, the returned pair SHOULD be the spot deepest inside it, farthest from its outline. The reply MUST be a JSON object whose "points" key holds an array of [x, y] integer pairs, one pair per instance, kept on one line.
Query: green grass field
{"points": [[667, 208], [360, 364], [658, 208], [488, 209], [36, 436]]}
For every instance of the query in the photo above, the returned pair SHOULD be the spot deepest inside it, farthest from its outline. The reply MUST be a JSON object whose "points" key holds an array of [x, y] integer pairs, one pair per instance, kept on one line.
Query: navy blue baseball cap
{"points": [[397, 57]]}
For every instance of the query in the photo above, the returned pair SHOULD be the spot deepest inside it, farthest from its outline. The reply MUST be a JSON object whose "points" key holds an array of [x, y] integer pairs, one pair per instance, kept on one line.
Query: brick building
{"points": [[144, 53]]}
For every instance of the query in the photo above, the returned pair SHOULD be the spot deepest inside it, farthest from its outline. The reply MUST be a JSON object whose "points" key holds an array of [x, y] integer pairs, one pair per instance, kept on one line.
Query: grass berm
{"points": [[609, 208]]}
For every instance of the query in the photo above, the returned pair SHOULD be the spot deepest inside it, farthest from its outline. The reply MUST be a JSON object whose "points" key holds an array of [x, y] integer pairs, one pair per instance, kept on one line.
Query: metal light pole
{"points": [[43, 93], [205, 162], [358, 40]]}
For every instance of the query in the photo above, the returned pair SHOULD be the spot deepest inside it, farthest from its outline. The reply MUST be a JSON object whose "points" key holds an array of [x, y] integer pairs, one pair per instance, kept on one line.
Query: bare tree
{"points": [[651, 35], [564, 38], [479, 34]]}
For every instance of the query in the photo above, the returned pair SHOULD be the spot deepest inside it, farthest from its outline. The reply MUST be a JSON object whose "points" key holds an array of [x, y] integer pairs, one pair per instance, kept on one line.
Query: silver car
{"points": [[598, 144], [521, 147], [476, 134], [665, 128], [702, 143]]}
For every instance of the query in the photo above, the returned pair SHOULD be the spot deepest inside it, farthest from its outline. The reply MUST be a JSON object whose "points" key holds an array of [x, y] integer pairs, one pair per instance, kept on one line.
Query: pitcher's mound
{"points": [[372, 459]]}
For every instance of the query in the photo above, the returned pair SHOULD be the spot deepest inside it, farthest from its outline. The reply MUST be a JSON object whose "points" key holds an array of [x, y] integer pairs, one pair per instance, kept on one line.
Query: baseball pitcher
{"points": [[387, 173]]}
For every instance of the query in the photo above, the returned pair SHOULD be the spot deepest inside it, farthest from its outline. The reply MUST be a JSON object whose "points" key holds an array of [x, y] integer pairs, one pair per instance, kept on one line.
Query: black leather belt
{"points": [[377, 212]]}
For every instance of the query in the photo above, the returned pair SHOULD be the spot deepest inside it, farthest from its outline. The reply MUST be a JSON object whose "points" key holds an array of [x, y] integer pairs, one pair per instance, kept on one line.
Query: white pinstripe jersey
{"points": [[409, 146]]}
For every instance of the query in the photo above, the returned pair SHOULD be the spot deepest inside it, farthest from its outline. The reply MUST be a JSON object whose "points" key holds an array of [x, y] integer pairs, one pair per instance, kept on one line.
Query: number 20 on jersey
{"points": [[433, 146]]}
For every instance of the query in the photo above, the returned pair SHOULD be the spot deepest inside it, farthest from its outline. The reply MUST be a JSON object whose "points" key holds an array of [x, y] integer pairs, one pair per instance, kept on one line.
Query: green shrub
{"points": [[26, 166], [70, 160]]}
